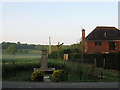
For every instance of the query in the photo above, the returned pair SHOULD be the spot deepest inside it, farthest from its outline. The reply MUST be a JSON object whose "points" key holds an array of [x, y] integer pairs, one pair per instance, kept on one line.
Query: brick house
{"points": [[102, 40]]}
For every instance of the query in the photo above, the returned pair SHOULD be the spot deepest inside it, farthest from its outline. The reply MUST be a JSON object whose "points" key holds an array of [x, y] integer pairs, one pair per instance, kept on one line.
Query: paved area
{"points": [[46, 78], [14, 84]]}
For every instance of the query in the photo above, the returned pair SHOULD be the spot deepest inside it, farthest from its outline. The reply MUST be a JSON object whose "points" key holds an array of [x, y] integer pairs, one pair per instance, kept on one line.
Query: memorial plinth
{"points": [[44, 62]]}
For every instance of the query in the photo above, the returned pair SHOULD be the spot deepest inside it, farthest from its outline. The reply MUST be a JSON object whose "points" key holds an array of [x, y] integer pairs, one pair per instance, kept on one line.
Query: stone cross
{"points": [[43, 60]]}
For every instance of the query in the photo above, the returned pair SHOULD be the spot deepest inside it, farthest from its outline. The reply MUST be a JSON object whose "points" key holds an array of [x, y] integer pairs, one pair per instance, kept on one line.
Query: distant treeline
{"points": [[19, 45]]}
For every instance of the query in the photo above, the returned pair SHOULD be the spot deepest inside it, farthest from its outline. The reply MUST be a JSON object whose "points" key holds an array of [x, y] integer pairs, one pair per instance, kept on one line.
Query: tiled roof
{"points": [[104, 33]]}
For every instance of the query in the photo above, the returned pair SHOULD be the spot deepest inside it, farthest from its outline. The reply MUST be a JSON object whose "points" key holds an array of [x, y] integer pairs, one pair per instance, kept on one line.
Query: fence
{"points": [[107, 61]]}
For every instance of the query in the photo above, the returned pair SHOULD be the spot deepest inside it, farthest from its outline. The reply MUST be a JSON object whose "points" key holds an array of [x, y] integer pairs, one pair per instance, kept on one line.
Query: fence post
{"points": [[65, 61], [101, 74], [66, 57], [80, 74], [95, 63], [92, 71], [13, 62], [104, 63]]}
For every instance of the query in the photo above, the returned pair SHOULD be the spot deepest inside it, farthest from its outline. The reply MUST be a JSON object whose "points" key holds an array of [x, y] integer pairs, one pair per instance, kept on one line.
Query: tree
{"points": [[67, 51], [11, 50], [18, 43], [75, 48]]}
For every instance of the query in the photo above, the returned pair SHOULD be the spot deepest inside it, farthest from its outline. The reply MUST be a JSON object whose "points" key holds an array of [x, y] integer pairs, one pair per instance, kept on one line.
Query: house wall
{"points": [[118, 45], [104, 48]]}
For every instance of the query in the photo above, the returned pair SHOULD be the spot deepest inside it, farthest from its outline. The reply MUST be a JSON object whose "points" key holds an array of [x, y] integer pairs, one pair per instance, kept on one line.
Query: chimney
{"points": [[83, 34]]}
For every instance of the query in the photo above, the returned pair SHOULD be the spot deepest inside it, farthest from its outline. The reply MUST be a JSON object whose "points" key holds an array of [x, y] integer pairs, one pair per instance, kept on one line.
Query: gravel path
{"points": [[48, 84]]}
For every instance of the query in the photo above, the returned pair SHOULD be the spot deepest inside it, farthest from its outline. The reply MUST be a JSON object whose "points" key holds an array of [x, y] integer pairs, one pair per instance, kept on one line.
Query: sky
{"points": [[35, 22]]}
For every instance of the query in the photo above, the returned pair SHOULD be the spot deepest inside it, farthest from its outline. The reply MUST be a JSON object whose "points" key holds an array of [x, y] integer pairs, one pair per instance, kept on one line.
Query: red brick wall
{"points": [[117, 45], [91, 48]]}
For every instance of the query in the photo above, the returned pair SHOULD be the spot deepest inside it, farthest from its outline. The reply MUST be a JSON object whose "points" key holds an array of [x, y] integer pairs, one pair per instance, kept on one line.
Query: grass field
{"points": [[24, 64]]}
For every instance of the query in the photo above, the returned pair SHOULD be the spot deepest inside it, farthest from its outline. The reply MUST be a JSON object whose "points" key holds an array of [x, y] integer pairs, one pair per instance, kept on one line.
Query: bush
{"points": [[53, 55], [59, 75], [38, 75]]}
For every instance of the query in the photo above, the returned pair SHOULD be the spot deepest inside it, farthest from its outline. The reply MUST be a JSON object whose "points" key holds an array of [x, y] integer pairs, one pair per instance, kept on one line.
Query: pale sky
{"points": [[34, 22]]}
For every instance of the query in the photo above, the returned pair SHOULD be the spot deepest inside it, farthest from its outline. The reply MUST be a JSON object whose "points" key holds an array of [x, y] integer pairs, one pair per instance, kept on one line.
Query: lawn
{"points": [[24, 64]]}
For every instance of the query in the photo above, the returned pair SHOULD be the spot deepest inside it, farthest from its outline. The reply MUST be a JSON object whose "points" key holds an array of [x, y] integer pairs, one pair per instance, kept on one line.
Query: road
{"points": [[14, 84]]}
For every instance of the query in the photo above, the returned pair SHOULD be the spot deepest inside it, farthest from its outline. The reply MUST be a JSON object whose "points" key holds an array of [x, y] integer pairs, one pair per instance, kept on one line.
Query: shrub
{"points": [[38, 75], [59, 75], [53, 55]]}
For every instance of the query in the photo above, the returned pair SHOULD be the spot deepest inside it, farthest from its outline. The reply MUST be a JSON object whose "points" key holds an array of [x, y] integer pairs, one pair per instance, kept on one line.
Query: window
{"points": [[98, 43], [111, 45]]}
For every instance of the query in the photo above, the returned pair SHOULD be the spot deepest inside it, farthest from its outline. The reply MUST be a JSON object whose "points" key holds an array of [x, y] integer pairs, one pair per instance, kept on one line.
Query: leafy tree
{"points": [[67, 51], [75, 48], [11, 50], [18, 43]]}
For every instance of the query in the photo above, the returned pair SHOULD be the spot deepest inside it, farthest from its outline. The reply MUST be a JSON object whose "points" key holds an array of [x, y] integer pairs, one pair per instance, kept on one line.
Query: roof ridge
{"points": [[105, 27]]}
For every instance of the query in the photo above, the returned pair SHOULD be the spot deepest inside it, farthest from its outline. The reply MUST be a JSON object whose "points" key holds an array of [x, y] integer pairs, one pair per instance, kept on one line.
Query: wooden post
{"points": [[13, 62], [81, 74], [77, 68], [95, 63], [66, 57], [104, 63], [101, 74], [93, 71], [64, 62]]}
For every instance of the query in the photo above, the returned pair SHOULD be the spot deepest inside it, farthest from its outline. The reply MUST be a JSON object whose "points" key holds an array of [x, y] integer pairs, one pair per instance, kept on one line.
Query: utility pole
{"points": [[49, 46]]}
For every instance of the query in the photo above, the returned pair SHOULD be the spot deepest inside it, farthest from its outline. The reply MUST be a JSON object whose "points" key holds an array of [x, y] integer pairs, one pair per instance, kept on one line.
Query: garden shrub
{"points": [[59, 75], [38, 75], [53, 55]]}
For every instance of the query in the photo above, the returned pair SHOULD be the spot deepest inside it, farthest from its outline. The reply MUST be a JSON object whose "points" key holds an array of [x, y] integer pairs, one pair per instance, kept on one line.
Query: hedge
{"points": [[112, 60]]}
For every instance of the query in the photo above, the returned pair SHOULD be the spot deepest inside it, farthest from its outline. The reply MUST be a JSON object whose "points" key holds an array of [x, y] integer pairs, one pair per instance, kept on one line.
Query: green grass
{"points": [[32, 54], [108, 74], [24, 64], [73, 76]]}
